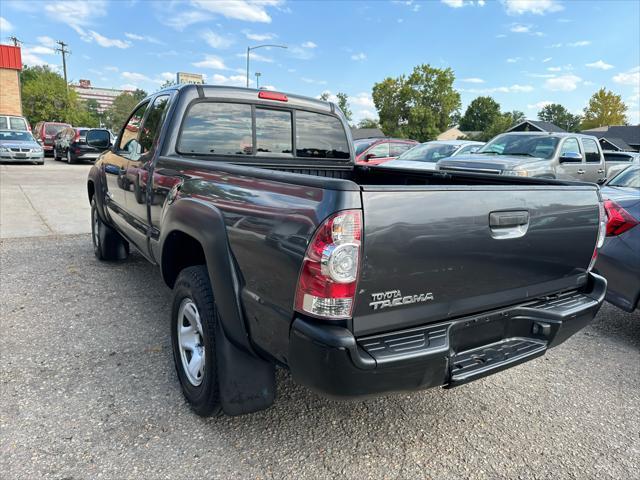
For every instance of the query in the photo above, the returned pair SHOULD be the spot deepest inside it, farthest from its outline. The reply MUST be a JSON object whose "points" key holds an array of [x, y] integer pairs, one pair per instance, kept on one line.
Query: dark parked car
{"points": [[281, 251], [20, 146], [374, 151], [619, 259], [71, 144], [45, 133]]}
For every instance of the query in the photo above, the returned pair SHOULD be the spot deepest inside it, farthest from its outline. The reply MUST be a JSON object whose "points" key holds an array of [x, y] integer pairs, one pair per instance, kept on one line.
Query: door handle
{"points": [[601, 170], [580, 172]]}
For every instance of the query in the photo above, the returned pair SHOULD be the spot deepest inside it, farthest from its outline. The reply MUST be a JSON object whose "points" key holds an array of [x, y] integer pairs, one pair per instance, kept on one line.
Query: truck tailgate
{"points": [[437, 252]]}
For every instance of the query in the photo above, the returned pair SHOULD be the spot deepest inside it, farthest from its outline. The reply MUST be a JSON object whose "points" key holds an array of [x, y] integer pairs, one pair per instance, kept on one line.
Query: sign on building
{"points": [[193, 78]]}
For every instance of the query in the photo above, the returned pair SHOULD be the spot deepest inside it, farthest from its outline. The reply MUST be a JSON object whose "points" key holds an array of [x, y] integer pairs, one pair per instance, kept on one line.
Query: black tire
{"points": [[108, 245], [55, 154], [70, 159], [193, 285]]}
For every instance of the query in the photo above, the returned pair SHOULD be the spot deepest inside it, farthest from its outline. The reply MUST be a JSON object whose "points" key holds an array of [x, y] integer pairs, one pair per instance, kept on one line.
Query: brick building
{"points": [[10, 66]]}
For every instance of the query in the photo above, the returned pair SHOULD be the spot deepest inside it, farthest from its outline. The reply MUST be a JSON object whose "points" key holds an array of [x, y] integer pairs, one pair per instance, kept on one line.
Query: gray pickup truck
{"points": [[565, 156], [360, 280]]}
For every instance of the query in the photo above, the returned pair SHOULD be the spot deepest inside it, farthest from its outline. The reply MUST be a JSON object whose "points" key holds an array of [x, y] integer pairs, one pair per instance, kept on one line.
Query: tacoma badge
{"points": [[393, 298]]}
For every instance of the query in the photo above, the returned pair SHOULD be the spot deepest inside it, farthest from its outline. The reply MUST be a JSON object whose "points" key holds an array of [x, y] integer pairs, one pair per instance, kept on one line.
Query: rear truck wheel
{"points": [[108, 245], [55, 154], [70, 158], [194, 318]]}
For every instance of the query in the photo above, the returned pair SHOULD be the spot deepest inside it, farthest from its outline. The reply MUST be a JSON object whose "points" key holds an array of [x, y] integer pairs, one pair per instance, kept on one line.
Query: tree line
{"points": [[45, 97]]}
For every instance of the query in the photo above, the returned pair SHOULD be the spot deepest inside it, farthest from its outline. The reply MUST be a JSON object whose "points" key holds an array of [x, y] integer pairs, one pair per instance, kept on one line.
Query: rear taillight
{"points": [[619, 220], [602, 229], [76, 137], [329, 274]]}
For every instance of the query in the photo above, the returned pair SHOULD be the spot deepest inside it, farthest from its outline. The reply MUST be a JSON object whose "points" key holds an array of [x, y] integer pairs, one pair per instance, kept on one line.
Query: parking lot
{"points": [[88, 387]]}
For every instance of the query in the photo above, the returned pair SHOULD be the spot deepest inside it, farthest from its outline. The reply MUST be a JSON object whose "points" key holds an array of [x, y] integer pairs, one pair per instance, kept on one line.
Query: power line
{"points": [[63, 50]]}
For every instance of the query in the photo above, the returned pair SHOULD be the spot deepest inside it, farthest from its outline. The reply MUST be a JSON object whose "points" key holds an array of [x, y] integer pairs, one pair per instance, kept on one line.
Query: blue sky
{"points": [[522, 52]]}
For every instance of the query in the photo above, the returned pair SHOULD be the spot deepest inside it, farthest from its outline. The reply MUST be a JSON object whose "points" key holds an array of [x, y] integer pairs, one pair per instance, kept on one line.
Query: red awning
{"points": [[10, 57]]}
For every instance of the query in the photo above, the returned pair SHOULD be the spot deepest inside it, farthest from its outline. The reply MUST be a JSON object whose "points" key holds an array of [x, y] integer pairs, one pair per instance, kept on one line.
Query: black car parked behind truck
{"points": [[280, 251]]}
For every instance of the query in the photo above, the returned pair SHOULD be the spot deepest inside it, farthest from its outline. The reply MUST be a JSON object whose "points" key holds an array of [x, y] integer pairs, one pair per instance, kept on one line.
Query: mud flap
{"points": [[247, 383]]}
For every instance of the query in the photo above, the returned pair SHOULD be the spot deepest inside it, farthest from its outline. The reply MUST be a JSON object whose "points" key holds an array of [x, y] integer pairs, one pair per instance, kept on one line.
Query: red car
{"points": [[374, 151], [45, 134]]}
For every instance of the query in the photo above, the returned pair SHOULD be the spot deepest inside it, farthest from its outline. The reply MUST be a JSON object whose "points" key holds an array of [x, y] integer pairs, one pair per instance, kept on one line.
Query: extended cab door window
{"points": [[129, 145], [215, 128], [594, 168]]}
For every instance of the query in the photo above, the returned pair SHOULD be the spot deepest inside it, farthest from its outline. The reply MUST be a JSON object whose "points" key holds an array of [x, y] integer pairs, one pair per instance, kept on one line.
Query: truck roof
{"points": [[251, 94]]}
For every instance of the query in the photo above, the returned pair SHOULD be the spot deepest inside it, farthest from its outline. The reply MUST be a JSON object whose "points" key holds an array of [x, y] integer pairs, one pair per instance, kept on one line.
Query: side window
{"points": [[273, 132], [3, 123], [468, 149], [396, 149], [570, 145], [379, 151], [129, 145], [217, 128], [320, 136], [17, 123], [591, 150], [152, 123]]}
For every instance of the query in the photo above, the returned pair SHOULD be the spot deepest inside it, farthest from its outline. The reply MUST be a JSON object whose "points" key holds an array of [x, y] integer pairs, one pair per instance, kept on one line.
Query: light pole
{"points": [[255, 48], [257, 74]]}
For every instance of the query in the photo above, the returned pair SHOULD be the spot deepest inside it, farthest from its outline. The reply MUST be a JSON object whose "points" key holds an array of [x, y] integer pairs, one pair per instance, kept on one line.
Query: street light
{"points": [[257, 74], [255, 48]]}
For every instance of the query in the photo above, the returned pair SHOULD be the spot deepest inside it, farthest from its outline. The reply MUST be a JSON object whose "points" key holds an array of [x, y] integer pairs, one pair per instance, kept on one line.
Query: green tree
{"points": [[500, 124], [368, 123], [120, 109], [343, 103], [560, 116], [517, 116], [418, 106], [167, 84], [605, 108], [480, 114], [324, 96]]}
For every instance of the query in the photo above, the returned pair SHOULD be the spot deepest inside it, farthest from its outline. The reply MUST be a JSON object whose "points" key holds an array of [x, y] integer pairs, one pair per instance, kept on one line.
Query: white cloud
{"points": [[259, 37], [235, 80], [563, 83], [554, 69], [309, 45], [548, 59], [472, 80], [511, 89], [216, 41], [581, 43], [513, 60], [111, 68], [536, 7], [47, 41], [453, 3], [143, 38], [181, 20], [268, 87], [630, 77], [539, 105], [358, 56], [210, 61], [105, 41], [256, 57], [517, 28], [480, 3], [246, 10], [42, 50], [362, 99], [164, 76], [312, 81], [633, 117], [135, 77], [128, 86], [5, 26], [600, 65]]}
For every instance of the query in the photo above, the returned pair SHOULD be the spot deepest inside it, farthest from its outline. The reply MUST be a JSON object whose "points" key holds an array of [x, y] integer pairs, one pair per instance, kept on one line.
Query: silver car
{"points": [[426, 155], [20, 146]]}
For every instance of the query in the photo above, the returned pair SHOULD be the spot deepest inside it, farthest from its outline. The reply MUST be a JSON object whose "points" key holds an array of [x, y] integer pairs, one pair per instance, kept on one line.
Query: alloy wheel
{"points": [[191, 342]]}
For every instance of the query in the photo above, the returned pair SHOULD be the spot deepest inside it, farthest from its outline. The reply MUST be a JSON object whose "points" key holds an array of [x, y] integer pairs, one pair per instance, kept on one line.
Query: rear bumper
{"points": [[331, 361]]}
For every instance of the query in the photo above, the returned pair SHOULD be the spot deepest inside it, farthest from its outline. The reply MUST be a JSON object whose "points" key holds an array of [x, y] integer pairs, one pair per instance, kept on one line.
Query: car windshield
{"points": [[538, 146], [362, 145], [629, 177], [14, 135], [428, 152]]}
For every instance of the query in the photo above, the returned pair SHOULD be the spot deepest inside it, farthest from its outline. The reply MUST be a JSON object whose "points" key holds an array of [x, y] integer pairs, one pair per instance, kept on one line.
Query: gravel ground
{"points": [[88, 390]]}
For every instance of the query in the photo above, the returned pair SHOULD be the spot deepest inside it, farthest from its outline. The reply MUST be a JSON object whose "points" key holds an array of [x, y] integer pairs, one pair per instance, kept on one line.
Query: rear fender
{"points": [[247, 382]]}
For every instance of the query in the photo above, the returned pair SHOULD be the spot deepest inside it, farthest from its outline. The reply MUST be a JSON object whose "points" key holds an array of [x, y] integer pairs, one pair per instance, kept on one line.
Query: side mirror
{"points": [[601, 181], [571, 157], [369, 156], [98, 139]]}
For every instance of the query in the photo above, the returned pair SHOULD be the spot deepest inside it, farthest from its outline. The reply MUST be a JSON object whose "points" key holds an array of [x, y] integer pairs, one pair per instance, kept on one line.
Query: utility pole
{"points": [[63, 50], [15, 40], [257, 74]]}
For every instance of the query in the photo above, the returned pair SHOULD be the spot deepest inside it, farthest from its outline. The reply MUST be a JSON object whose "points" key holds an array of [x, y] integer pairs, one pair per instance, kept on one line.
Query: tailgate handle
{"points": [[505, 225]]}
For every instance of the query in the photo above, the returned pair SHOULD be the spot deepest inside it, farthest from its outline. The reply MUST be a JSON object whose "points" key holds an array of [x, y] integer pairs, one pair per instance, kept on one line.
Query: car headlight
{"points": [[516, 173], [36, 150], [4, 149]]}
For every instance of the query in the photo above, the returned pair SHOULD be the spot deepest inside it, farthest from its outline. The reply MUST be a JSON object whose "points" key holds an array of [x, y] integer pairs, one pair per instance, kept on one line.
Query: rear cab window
{"points": [[245, 130]]}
